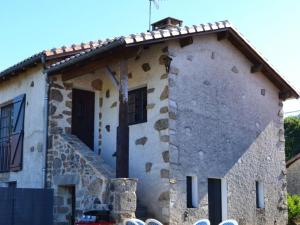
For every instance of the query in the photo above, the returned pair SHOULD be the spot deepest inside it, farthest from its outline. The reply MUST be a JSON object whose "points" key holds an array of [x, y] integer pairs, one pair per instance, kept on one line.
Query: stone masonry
{"points": [[201, 122], [74, 164], [122, 198], [228, 129]]}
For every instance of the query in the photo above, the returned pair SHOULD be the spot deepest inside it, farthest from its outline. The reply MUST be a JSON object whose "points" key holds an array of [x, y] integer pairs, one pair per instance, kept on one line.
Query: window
{"points": [[12, 134], [260, 202], [192, 191], [137, 106], [6, 121]]}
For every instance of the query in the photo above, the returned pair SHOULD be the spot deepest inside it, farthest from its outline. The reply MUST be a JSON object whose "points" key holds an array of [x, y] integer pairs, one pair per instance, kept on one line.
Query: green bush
{"points": [[293, 209], [292, 136]]}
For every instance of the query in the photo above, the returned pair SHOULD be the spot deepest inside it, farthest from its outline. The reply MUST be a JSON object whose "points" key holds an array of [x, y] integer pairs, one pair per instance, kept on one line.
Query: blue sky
{"points": [[27, 27]]}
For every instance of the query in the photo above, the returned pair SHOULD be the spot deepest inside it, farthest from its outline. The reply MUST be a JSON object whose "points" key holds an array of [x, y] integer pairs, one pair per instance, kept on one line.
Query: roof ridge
{"points": [[155, 34]]}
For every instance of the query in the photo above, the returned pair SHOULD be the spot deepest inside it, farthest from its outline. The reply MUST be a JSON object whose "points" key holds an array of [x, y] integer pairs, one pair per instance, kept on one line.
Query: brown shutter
{"points": [[17, 136]]}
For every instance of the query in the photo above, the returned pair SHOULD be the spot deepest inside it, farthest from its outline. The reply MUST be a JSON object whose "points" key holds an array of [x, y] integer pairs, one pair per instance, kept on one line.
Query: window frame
{"points": [[4, 105], [5, 139], [142, 93]]}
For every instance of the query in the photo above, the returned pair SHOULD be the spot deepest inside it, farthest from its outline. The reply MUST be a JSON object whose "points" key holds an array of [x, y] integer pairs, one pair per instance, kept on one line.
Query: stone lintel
{"points": [[64, 180]]}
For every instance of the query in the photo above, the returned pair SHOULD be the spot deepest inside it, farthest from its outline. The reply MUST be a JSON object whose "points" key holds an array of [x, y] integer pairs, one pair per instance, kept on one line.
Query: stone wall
{"points": [[75, 165], [293, 178], [225, 122], [122, 198]]}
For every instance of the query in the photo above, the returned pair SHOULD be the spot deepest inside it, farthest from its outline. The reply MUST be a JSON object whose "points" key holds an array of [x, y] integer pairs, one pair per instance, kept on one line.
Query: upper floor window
{"points": [[137, 106], [12, 134], [6, 121]]}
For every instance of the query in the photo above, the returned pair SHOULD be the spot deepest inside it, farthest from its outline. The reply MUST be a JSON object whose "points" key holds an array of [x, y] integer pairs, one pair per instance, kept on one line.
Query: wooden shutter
{"points": [[17, 135]]}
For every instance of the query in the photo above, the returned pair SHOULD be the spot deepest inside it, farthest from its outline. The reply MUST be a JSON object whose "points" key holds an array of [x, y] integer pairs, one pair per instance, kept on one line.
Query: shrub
{"points": [[293, 209], [292, 136]]}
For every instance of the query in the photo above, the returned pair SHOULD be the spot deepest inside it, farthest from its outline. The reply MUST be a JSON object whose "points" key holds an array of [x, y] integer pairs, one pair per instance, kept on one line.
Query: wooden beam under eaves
{"points": [[222, 35], [89, 66], [284, 95], [256, 68], [185, 41]]}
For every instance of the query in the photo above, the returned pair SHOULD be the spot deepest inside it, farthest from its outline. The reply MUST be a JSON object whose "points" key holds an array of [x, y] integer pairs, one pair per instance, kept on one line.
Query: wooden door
{"points": [[83, 109], [215, 201]]}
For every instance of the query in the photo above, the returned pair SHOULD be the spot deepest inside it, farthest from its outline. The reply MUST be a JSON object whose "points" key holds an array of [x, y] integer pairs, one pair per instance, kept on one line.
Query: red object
{"points": [[96, 223]]}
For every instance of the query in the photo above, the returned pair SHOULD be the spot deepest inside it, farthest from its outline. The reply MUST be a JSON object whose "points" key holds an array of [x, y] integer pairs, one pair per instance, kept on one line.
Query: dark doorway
{"points": [[83, 109], [215, 201], [73, 202]]}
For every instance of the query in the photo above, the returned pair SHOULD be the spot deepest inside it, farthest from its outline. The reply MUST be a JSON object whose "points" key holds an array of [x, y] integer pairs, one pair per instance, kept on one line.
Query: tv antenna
{"points": [[155, 3]]}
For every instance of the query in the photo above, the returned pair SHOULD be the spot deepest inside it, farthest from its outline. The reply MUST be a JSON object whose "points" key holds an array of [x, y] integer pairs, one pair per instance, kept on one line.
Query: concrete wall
{"points": [[227, 123], [293, 178], [31, 83], [149, 154]]}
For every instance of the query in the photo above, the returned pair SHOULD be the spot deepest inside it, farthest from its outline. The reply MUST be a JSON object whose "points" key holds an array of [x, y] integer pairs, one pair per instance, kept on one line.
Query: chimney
{"points": [[166, 23]]}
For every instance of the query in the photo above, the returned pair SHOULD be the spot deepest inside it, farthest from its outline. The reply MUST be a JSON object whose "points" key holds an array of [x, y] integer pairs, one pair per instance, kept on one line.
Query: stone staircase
{"points": [[74, 163]]}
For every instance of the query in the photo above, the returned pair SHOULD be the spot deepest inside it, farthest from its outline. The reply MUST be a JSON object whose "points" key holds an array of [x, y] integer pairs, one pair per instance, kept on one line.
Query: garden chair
{"points": [[153, 222], [202, 222], [130, 222], [139, 222], [229, 222]]}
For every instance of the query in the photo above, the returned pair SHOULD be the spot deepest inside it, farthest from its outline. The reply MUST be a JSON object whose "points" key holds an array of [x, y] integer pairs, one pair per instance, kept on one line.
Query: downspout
{"points": [[45, 125]]}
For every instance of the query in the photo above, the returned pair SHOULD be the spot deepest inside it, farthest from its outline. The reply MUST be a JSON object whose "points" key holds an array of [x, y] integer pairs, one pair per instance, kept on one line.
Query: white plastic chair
{"points": [[229, 222], [202, 222], [139, 222], [153, 222], [130, 222]]}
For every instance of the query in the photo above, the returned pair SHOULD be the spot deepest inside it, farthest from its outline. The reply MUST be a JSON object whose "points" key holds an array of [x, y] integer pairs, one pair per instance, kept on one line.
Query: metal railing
{"points": [[4, 155]]}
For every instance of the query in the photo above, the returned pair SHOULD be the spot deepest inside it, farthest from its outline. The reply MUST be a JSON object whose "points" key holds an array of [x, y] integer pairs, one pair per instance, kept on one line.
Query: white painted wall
{"points": [[31, 176], [150, 185]]}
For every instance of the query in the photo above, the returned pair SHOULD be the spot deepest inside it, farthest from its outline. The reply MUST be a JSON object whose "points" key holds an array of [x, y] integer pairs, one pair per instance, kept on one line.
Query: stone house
{"points": [[194, 113], [293, 175]]}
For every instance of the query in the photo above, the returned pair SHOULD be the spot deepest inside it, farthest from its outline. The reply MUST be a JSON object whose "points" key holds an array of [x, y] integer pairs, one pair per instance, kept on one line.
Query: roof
{"points": [[222, 27], [292, 160], [64, 51]]}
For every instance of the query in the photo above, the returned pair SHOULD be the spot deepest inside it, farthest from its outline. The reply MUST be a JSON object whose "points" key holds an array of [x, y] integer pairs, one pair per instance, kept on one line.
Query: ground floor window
{"points": [[192, 191], [260, 202]]}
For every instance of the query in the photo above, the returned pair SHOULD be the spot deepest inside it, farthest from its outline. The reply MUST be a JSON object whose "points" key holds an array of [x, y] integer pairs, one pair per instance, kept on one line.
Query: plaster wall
{"points": [[228, 125], [32, 83]]}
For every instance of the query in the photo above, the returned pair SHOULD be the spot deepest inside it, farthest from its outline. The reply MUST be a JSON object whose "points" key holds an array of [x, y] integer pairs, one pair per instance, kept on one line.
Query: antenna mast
{"points": [[150, 10]]}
